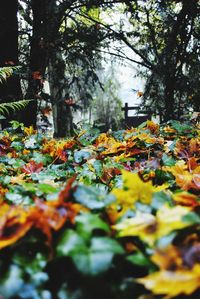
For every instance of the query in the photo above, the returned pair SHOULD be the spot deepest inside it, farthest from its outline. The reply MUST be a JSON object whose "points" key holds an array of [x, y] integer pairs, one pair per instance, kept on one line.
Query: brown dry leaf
{"points": [[168, 258]]}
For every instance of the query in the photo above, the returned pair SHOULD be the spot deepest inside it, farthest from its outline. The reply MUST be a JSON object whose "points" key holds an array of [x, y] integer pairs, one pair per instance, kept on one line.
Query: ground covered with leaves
{"points": [[110, 215]]}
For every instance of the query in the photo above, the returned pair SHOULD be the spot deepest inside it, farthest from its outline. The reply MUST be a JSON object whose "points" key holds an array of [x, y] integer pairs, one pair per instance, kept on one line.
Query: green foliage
{"points": [[6, 108], [164, 37], [6, 72]]}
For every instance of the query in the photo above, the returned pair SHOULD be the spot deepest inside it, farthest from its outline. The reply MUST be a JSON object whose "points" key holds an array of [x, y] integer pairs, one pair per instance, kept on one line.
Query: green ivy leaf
{"points": [[87, 223], [90, 197], [81, 155], [160, 199], [139, 259], [12, 277], [97, 258], [167, 160], [191, 218], [46, 188], [68, 242]]}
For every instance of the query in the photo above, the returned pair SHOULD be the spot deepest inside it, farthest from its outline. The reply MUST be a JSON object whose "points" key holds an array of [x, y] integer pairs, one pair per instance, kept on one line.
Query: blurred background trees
{"points": [[66, 43]]}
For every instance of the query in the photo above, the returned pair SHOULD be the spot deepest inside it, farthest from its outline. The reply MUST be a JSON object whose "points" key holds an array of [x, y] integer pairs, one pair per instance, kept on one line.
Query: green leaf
{"points": [[18, 199], [191, 218], [15, 124], [92, 263], [31, 187], [90, 135], [39, 157], [139, 259], [11, 282], [16, 163], [166, 240], [106, 244], [90, 198], [142, 125], [14, 106], [160, 199], [98, 167], [88, 222], [81, 155], [68, 242], [98, 257], [2, 117], [181, 128], [46, 188], [17, 145], [32, 263], [89, 258], [167, 160]]}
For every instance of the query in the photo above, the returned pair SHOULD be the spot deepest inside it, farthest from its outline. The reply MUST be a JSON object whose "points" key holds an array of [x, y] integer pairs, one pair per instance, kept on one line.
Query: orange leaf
{"points": [[139, 94], [36, 75], [13, 224], [66, 192], [186, 199], [182, 175]]}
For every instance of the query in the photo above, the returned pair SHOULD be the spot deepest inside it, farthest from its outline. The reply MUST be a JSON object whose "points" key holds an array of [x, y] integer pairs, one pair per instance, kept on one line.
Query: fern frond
{"points": [[5, 108], [6, 72]]}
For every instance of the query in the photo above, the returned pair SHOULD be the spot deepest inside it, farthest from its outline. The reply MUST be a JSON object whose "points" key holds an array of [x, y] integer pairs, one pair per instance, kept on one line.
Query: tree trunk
{"points": [[11, 89], [38, 59], [63, 121], [169, 112], [176, 46], [62, 114]]}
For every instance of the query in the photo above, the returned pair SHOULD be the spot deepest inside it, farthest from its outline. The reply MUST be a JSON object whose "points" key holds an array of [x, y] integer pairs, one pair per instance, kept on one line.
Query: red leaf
{"points": [[32, 167]]}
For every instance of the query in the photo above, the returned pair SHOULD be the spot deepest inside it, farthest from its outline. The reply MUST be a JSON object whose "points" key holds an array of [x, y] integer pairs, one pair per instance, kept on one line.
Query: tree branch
{"points": [[120, 37], [123, 57]]}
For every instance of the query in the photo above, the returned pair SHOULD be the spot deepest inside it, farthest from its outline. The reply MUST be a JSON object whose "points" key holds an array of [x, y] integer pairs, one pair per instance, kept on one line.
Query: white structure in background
{"points": [[130, 85], [126, 71]]}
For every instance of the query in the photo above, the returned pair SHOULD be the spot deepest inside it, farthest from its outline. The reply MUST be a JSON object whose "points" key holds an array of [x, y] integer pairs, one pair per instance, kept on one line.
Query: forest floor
{"points": [[100, 214]]}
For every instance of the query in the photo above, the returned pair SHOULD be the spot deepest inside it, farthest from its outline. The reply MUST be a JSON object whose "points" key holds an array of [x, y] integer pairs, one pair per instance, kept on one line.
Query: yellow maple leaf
{"points": [[172, 283], [142, 225], [29, 131], [170, 219], [134, 189], [150, 228], [19, 179]]}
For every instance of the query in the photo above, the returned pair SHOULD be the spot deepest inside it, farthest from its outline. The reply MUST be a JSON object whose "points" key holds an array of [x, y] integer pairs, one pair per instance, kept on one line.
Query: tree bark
{"points": [[169, 112], [38, 59], [11, 89], [62, 114]]}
